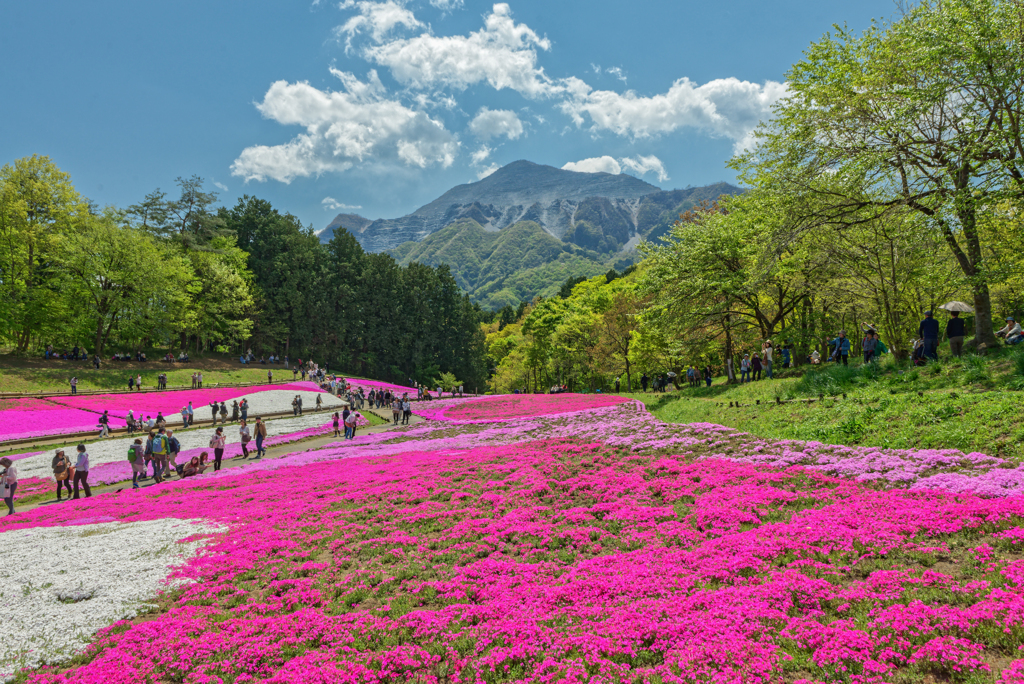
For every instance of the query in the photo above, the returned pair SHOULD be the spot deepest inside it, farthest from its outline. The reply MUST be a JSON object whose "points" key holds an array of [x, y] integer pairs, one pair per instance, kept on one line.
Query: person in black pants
{"points": [[82, 472], [929, 332]]}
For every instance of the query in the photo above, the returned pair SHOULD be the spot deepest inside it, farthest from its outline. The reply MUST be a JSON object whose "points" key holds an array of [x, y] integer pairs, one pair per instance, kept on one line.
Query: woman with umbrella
{"points": [[955, 328]]}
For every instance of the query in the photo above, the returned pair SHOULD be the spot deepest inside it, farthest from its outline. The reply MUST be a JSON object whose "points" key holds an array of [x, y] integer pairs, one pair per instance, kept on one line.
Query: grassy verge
{"points": [[971, 404]]}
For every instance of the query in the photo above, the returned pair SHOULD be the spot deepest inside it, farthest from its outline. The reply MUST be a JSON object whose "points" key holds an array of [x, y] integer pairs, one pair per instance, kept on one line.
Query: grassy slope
{"points": [[971, 405]]}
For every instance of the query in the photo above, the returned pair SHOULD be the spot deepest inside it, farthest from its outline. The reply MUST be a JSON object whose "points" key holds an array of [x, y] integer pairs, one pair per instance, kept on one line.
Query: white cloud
{"points": [[484, 173], [617, 72], [603, 164], [642, 165], [494, 123], [481, 154], [725, 107], [447, 5], [220, 186], [502, 54], [331, 204], [343, 128], [377, 19]]}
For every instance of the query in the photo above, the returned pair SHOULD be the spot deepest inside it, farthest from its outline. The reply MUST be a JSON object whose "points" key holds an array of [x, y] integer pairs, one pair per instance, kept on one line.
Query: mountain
{"points": [[353, 223], [526, 228], [516, 192]]}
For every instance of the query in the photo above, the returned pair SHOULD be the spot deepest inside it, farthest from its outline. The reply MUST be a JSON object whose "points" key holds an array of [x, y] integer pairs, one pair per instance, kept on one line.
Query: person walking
{"points": [[131, 383], [61, 472], [137, 458], [396, 410], [173, 449], [337, 423], [74, 385], [745, 369], [246, 435], [319, 403], [104, 424], [406, 410], [295, 405], [244, 408], [234, 411], [841, 345], [261, 433], [214, 408], [928, 331], [9, 482], [955, 334], [160, 451], [223, 413], [217, 443], [82, 472]]}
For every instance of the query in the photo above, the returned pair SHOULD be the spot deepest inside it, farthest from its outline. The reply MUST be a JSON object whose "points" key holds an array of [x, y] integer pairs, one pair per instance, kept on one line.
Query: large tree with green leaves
{"points": [[923, 113]]}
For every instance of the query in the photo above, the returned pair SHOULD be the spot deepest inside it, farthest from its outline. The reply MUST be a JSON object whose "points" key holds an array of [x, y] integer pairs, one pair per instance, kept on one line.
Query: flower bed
{"points": [[588, 544], [560, 560], [170, 402], [368, 385], [27, 418], [508, 406]]}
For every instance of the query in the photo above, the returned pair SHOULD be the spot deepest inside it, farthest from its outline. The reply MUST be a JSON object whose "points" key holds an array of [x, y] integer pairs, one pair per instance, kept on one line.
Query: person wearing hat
{"points": [[955, 334], [929, 333], [841, 345], [1011, 332]]}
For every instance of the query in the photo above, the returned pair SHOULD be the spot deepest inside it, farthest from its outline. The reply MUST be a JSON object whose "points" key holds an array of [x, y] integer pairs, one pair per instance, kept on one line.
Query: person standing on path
{"points": [[223, 413], [191, 413], [295, 405], [160, 450], [261, 434], [217, 443], [234, 411], [350, 425], [173, 449], [319, 403], [344, 419], [74, 385], [200, 380], [745, 369], [137, 457], [299, 399], [244, 408], [929, 332], [955, 334], [61, 472], [82, 472], [396, 410], [138, 382], [337, 423], [270, 376], [9, 482], [406, 410], [194, 381], [245, 435]]}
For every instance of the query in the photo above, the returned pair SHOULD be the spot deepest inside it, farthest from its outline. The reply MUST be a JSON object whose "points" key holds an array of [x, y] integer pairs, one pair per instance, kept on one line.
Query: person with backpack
{"points": [[104, 425], [160, 451], [261, 434], [137, 457], [217, 443]]}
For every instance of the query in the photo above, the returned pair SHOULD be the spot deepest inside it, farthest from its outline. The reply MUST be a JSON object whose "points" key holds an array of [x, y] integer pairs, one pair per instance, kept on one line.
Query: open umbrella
{"points": [[957, 306], [671, 374]]}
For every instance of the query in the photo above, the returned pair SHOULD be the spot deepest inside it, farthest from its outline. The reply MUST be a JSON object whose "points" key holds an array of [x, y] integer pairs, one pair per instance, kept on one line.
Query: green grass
{"points": [[971, 404]]}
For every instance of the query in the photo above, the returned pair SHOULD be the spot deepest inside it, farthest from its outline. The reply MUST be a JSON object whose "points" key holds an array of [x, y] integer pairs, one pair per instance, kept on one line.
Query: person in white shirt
{"points": [[766, 348], [217, 443], [82, 472], [8, 482]]}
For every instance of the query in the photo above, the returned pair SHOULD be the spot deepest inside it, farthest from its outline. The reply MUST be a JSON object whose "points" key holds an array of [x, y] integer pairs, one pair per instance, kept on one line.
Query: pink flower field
{"points": [[577, 539], [25, 418], [170, 402]]}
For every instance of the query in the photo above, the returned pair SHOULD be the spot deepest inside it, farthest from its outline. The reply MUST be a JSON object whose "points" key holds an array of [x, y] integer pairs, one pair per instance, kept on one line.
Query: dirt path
{"points": [[274, 452]]}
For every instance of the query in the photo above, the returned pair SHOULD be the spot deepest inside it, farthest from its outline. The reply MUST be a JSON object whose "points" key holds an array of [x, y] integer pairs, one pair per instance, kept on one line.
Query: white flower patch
{"points": [[61, 584], [113, 450], [275, 401]]}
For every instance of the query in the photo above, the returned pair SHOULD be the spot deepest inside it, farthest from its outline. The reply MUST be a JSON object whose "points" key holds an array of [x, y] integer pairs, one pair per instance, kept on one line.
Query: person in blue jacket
{"points": [[929, 333], [841, 347]]}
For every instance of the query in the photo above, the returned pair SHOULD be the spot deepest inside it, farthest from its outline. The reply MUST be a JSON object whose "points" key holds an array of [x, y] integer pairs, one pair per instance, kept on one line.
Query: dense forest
{"points": [[889, 181], [183, 274]]}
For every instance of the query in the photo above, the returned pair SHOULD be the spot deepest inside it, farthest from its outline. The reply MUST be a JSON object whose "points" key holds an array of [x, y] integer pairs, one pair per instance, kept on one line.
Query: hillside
{"points": [[353, 223], [504, 267]]}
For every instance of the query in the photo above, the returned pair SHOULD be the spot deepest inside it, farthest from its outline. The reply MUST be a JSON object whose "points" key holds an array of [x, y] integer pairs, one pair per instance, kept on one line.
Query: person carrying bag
{"points": [[62, 472]]}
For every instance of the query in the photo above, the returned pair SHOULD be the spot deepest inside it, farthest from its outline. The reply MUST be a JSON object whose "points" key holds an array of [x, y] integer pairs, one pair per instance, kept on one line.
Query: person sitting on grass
{"points": [[191, 468], [1012, 331]]}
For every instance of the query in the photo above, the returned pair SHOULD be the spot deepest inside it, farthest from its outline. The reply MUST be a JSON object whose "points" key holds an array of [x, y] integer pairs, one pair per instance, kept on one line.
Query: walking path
{"points": [[273, 452]]}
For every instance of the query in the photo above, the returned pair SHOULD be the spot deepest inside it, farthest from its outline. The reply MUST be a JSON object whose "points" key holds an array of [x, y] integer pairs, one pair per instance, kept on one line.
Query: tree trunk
{"points": [[983, 328]]}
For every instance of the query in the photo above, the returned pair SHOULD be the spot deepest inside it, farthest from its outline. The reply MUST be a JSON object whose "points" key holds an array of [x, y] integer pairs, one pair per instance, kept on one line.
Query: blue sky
{"points": [[379, 106]]}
